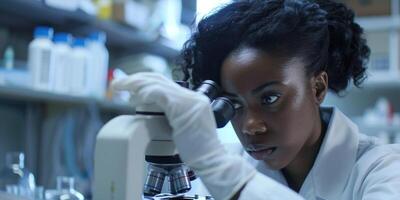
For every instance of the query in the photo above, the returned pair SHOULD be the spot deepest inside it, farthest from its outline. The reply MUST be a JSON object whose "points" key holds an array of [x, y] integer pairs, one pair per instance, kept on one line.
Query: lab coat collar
{"points": [[336, 157]]}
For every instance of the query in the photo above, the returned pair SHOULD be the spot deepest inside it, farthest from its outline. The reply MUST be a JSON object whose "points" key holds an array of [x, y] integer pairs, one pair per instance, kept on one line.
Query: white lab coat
{"points": [[349, 165]]}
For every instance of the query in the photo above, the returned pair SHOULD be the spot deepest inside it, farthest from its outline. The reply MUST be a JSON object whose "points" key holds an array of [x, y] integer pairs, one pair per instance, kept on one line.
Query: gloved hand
{"points": [[194, 132]]}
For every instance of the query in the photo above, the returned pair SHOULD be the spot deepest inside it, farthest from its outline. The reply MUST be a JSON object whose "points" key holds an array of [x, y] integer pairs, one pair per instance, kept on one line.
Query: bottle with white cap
{"points": [[61, 62], [79, 64], [40, 57], [98, 64]]}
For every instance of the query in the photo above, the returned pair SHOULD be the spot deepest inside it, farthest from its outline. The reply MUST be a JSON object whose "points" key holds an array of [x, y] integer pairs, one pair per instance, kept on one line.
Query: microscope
{"points": [[126, 142]]}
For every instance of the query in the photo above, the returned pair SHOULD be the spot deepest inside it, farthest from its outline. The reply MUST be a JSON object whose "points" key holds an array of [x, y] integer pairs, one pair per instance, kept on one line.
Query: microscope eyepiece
{"points": [[222, 107], [210, 89], [223, 111]]}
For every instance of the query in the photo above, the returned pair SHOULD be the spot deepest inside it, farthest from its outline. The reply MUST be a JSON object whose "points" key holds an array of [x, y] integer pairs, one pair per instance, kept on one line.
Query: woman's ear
{"points": [[320, 86]]}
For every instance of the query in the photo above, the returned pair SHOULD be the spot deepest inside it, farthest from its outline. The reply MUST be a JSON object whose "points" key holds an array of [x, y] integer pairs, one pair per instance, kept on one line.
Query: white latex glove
{"points": [[194, 133]]}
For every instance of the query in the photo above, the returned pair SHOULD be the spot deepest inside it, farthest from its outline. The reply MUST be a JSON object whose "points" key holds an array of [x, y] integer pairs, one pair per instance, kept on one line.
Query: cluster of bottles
{"points": [[63, 64], [16, 180]]}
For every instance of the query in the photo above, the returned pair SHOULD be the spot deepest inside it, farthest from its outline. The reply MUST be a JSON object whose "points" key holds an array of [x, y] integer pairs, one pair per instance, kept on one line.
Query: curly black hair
{"points": [[321, 32]]}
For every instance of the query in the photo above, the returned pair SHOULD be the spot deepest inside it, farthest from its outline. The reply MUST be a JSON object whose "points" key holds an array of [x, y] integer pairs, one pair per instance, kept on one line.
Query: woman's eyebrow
{"points": [[264, 85]]}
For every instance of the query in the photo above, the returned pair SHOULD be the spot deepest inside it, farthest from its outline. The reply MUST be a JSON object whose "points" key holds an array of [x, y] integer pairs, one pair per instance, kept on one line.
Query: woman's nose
{"points": [[254, 126]]}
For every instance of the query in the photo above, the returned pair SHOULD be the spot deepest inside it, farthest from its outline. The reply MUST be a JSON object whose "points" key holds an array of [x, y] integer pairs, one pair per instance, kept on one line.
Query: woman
{"points": [[276, 60]]}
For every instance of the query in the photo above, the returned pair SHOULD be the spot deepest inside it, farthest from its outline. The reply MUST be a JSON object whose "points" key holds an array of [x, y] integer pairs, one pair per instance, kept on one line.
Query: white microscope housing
{"points": [[125, 142], [120, 157]]}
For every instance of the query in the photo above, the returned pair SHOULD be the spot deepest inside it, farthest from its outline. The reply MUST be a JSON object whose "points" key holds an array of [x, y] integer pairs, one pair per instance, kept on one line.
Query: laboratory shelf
{"points": [[24, 15], [22, 94]]}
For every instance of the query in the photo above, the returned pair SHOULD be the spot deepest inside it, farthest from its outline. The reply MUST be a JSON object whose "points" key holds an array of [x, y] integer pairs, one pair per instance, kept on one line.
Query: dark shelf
{"points": [[26, 14], [30, 95]]}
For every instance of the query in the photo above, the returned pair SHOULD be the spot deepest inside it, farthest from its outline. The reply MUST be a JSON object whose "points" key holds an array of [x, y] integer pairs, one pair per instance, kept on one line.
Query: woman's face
{"points": [[276, 111]]}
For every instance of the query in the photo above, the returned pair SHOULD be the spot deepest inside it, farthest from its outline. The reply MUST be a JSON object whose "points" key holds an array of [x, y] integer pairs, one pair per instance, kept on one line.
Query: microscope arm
{"points": [[120, 152], [119, 160]]}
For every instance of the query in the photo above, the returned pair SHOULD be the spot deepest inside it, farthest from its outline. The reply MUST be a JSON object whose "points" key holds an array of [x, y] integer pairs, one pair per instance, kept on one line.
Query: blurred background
{"points": [[58, 56]]}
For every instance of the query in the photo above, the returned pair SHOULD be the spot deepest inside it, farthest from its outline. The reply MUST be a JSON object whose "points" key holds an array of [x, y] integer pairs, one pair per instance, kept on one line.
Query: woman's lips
{"points": [[263, 153]]}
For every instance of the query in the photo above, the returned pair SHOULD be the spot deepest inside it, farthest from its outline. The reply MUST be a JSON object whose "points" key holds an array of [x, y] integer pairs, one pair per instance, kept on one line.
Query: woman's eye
{"points": [[270, 99]]}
